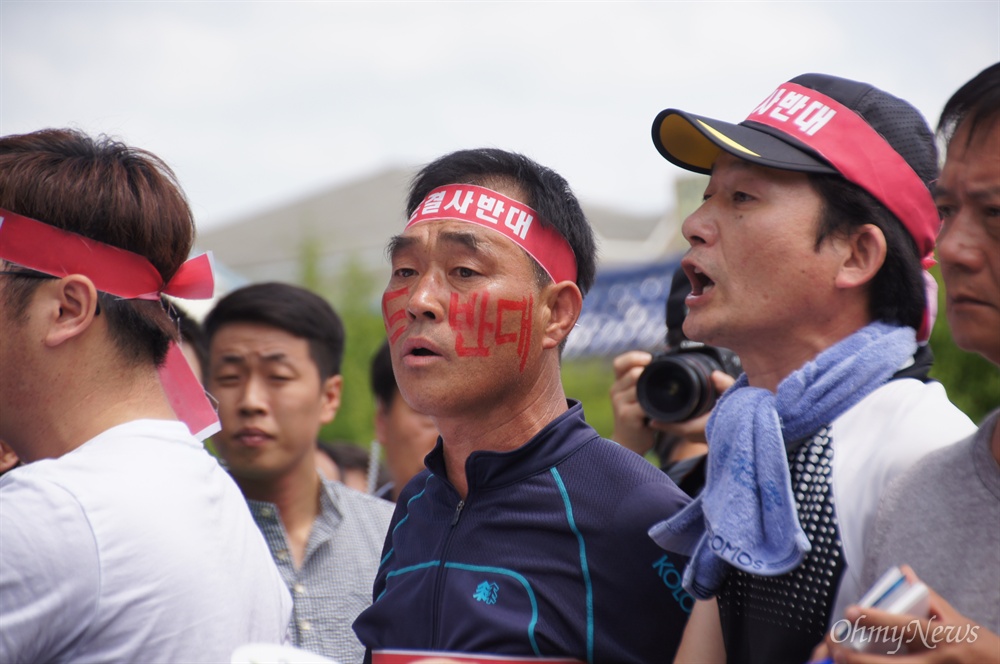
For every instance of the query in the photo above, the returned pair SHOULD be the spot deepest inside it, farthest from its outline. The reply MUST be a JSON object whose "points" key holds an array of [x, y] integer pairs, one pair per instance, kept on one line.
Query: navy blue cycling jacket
{"points": [[547, 556]]}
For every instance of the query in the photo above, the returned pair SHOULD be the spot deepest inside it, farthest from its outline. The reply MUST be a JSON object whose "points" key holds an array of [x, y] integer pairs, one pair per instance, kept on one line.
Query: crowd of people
{"points": [[505, 526]]}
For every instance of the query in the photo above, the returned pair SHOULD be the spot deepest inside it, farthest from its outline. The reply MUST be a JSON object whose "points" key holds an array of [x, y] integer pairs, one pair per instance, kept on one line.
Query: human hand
{"points": [[633, 428], [631, 423], [945, 636]]}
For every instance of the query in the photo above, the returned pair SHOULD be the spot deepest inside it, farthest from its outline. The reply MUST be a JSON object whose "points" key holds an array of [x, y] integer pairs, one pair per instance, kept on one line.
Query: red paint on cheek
{"points": [[473, 327], [462, 318], [522, 336], [398, 314]]}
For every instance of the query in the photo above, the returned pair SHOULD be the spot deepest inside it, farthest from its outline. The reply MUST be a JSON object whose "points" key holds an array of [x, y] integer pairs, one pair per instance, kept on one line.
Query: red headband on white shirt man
{"points": [[59, 253]]}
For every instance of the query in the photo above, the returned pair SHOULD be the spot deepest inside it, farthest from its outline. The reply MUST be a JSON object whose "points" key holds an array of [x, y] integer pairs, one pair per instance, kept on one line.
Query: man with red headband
{"points": [[526, 534], [122, 539], [807, 260]]}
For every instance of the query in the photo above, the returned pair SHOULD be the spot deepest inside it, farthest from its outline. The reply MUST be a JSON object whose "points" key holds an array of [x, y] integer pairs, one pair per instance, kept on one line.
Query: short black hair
{"points": [[897, 294], [978, 101], [544, 190], [383, 379], [295, 310], [116, 194]]}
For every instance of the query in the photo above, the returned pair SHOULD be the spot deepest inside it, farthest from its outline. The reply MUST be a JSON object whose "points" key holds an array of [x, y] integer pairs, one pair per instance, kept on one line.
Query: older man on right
{"points": [[940, 518], [806, 260]]}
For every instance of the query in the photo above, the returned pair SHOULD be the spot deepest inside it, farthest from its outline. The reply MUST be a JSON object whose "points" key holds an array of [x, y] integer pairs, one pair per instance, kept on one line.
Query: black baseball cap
{"points": [[816, 123]]}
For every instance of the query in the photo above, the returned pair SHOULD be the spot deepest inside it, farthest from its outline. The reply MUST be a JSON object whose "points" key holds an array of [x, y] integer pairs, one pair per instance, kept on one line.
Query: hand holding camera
{"points": [[662, 402], [677, 385], [636, 430], [632, 428]]}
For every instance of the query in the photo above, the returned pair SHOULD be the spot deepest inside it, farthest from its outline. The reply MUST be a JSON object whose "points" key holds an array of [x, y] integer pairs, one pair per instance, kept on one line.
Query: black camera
{"points": [[677, 385]]}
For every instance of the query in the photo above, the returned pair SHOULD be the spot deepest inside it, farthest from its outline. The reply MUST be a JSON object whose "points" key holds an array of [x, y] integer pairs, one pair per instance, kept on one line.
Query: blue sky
{"points": [[255, 104]]}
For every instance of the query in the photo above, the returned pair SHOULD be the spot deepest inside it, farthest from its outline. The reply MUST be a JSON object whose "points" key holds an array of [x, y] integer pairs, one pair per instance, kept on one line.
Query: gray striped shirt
{"points": [[334, 583]]}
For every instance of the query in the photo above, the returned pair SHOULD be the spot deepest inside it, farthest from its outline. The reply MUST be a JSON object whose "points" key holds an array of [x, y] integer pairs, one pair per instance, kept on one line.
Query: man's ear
{"points": [[564, 302], [71, 304], [8, 457], [864, 252], [330, 395]]}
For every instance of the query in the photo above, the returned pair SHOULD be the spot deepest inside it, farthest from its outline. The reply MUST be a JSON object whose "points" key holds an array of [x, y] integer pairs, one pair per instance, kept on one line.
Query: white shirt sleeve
{"points": [[876, 441], [49, 570]]}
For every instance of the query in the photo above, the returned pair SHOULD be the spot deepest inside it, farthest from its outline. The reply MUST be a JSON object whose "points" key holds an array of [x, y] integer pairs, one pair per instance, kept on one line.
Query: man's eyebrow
{"points": [[240, 360], [398, 243], [231, 359], [467, 240]]}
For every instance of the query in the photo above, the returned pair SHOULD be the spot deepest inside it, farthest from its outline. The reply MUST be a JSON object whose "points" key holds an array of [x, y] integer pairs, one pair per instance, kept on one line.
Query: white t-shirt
{"points": [[135, 547], [838, 476], [875, 441]]}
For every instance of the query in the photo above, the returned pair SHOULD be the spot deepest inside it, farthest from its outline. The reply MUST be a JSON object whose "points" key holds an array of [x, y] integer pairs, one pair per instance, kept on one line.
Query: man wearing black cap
{"points": [[806, 260]]}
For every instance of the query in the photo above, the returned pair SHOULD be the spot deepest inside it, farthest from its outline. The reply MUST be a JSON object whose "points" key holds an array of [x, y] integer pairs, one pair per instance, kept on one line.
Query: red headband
{"points": [[44, 248], [514, 220], [835, 132]]}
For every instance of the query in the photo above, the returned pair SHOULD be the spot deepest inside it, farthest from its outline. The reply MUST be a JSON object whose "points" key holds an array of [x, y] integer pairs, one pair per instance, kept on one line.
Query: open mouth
{"points": [[420, 351], [700, 282], [420, 348]]}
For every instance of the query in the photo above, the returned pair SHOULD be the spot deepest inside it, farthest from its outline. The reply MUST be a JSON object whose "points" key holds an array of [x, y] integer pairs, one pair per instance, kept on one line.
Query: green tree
{"points": [[589, 381], [309, 270], [352, 293]]}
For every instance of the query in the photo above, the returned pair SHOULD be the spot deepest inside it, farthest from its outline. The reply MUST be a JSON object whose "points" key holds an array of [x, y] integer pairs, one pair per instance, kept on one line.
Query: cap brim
{"points": [[694, 142]]}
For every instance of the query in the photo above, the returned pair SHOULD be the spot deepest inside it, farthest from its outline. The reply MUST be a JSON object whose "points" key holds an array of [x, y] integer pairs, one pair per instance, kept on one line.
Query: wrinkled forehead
{"points": [[242, 341], [448, 235]]}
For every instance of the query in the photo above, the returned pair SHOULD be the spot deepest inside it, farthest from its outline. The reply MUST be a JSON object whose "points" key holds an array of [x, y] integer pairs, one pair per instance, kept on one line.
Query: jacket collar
{"points": [[559, 439]]}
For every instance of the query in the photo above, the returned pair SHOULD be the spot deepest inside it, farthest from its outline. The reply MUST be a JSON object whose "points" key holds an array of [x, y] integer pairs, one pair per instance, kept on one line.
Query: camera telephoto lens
{"points": [[678, 387]]}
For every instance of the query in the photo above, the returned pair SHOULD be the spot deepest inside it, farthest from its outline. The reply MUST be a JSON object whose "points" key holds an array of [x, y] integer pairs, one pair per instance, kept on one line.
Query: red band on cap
{"points": [[44, 248], [515, 220], [858, 152]]}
